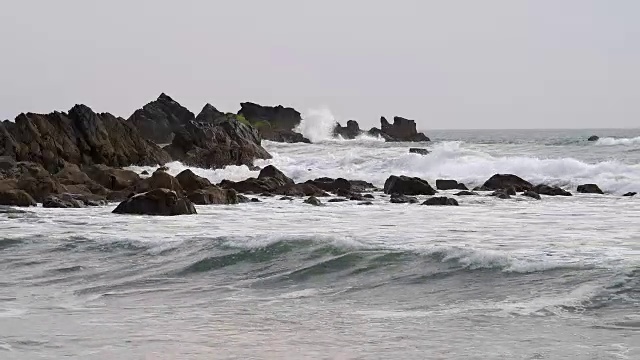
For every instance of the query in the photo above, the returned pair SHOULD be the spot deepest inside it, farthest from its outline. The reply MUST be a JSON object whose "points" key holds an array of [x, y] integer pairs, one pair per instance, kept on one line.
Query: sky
{"points": [[447, 64]]}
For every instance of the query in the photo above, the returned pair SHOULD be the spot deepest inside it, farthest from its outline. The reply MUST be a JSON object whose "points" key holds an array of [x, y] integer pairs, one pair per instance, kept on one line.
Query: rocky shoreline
{"points": [[76, 159]]}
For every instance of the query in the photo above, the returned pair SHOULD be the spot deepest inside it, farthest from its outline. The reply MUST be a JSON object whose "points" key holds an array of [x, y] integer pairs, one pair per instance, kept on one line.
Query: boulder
{"points": [[401, 130], [332, 185], [16, 198], [449, 185], [419, 151], [465, 193], [80, 137], [156, 202], [532, 194], [277, 117], [500, 194], [504, 181], [191, 182], [73, 178], [213, 195], [630, 194], [40, 186], [543, 189], [252, 185], [300, 190], [288, 198], [589, 189], [368, 196], [405, 185], [282, 135], [351, 131], [112, 178], [216, 144], [159, 180], [593, 138], [271, 171], [441, 201], [312, 200], [158, 120], [403, 199], [61, 202]]}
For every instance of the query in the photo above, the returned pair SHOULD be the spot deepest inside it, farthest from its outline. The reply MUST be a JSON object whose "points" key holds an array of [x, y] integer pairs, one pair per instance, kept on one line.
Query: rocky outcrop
{"points": [[589, 189], [401, 130], [213, 195], [375, 132], [191, 182], [630, 194], [419, 151], [277, 117], [543, 189], [13, 197], [351, 131], [593, 138], [506, 181], [282, 135], [405, 185], [441, 201], [216, 144], [158, 180], [273, 181], [449, 185], [79, 137], [156, 202], [158, 120]]}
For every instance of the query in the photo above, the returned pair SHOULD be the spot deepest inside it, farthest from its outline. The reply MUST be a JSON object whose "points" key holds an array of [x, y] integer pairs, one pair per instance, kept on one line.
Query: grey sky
{"points": [[447, 64]]}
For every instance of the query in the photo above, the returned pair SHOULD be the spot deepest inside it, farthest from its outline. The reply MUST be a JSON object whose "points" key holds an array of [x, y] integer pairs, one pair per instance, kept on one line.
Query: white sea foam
{"points": [[317, 125], [608, 141]]}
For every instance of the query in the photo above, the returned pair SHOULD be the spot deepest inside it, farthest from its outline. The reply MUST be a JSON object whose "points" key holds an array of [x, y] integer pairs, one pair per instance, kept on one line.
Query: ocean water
{"points": [[491, 279]]}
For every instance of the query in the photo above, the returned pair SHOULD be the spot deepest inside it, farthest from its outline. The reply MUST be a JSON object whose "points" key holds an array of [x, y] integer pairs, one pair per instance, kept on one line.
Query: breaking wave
{"points": [[609, 141]]}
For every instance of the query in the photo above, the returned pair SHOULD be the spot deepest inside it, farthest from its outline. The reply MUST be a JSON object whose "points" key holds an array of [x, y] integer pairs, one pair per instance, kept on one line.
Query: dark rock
{"points": [[630, 194], [300, 190], [16, 198], [356, 197], [543, 189], [217, 144], [277, 117], [504, 181], [332, 185], [419, 151], [191, 182], [243, 199], [375, 132], [462, 186], [510, 190], [213, 195], [531, 194], [593, 138], [38, 183], [449, 185], [282, 135], [112, 178], [337, 200], [405, 185], [6, 162], [290, 198], [365, 203], [77, 181], [312, 200], [465, 193], [403, 199], [162, 168], [159, 180], [64, 201], [351, 131], [156, 202], [589, 189], [441, 201], [158, 120], [368, 196], [500, 194], [255, 200], [144, 172], [273, 172], [253, 185], [402, 130], [266, 194]]}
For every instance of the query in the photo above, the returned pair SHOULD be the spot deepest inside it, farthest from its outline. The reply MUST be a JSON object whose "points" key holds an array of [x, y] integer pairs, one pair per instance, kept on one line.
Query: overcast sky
{"points": [[447, 64]]}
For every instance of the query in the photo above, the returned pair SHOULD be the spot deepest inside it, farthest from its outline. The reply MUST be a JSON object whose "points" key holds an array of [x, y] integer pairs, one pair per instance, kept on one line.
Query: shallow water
{"points": [[490, 279]]}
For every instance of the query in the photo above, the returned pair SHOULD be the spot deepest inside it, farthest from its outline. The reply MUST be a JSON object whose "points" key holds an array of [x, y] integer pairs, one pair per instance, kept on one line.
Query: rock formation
{"points": [[158, 120]]}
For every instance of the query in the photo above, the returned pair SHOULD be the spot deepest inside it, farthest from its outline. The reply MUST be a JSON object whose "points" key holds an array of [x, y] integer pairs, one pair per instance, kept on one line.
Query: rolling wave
{"points": [[609, 141]]}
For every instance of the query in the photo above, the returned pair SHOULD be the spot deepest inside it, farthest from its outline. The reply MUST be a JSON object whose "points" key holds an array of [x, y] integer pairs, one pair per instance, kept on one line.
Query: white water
{"points": [[608, 141]]}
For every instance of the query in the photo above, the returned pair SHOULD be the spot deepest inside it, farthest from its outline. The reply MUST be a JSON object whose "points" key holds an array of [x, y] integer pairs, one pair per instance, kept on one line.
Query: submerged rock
{"points": [[465, 193], [16, 198], [403, 199], [312, 200], [593, 138], [500, 194], [441, 201], [156, 202], [62, 202], [630, 194], [532, 194], [419, 151], [589, 189], [405, 185], [550, 190]]}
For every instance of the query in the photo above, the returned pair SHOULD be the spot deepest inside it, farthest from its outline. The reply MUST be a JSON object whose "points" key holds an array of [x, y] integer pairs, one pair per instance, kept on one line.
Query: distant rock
{"points": [[337, 200], [159, 119], [441, 201], [419, 151], [278, 117], [282, 135], [402, 130], [505, 181], [403, 199], [375, 132], [449, 185], [593, 138], [349, 132], [589, 189], [405, 185], [500, 194], [62, 202], [465, 193], [156, 202], [312, 200], [365, 203], [15, 197], [630, 194], [550, 190], [532, 194]]}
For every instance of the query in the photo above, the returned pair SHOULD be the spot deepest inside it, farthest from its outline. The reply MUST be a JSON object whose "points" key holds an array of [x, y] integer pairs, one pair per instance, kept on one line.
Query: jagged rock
{"points": [[40, 185], [62, 202], [405, 185], [543, 189], [351, 131], [216, 144], [630, 194], [112, 178], [505, 181], [191, 182], [213, 195], [277, 117], [531, 194], [441, 201], [159, 180], [449, 185], [375, 132], [156, 202], [403, 199], [312, 200], [465, 193], [16, 197], [402, 130], [79, 137], [158, 120], [282, 135], [419, 151], [77, 181], [593, 138], [271, 171], [589, 189]]}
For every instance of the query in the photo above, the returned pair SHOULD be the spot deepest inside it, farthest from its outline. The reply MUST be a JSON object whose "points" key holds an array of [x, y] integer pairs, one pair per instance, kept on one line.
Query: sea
{"points": [[557, 278]]}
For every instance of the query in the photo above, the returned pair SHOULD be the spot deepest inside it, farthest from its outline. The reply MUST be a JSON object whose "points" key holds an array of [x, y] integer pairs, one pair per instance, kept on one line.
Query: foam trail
{"points": [[618, 141], [317, 125]]}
